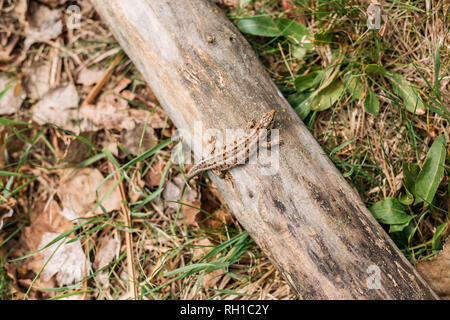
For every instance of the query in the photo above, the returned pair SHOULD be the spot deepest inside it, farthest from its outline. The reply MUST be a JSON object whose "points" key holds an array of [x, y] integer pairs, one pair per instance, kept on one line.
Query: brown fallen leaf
{"points": [[112, 112], [190, 201], [135, 142], [436, 271], [68, 263], [79, 197], [108, 250], [59, 106], [154, 175], [78, 150], [43, 24], [201, 247], [44, 218], [88, 77], [37, 80]]}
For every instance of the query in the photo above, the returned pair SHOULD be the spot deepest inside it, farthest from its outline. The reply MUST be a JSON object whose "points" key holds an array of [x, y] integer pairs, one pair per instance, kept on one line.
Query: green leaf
{"points": [[390, 211], [436, 241], [406, 198], [372, 104], [402, 88], [398, 227], [354, 84], [306, 82], [328, 96], [323, 37], [259, 26], [291, 28], [375, 69], [431, 173], [410, 173], [301, 103], [7, 122]]}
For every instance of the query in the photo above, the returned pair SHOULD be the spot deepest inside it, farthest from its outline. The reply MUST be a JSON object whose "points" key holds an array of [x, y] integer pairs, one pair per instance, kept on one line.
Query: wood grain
{"points": [[306, 217]]}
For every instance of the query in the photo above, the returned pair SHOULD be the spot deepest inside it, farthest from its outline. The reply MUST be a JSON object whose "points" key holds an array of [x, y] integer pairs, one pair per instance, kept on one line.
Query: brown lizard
{"points": [[239, 151]]}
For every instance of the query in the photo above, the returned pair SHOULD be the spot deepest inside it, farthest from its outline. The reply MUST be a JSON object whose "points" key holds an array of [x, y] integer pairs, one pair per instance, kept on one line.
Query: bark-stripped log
{"points": [[307, 219]]}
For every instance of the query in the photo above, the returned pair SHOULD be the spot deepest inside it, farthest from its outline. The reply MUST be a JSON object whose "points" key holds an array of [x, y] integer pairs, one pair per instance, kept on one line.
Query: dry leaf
{"points": [[44, 218], [436, 271], [78, 193], [172, 192], [88, 77], [68, 263], [202, 247], [113, 113], [131, 139], [59, 106], [154, 175], [13, 95], [108, 251], [157, 119], [77, 149], [43, 24], [37, 82], [211, 278]]}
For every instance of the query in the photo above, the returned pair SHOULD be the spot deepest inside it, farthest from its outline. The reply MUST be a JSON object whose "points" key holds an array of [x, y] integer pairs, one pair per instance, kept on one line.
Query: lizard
{"points": [[241, 149]]}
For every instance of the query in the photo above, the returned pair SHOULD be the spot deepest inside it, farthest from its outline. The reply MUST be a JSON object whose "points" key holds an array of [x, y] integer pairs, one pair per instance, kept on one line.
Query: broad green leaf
{"points": [[402, 88], [431, 173], [390, 211], [436, 241], [410, 173], [301, 104], [374, 69], [406, 198], [323, 37], [290, 28], [371, 103], [354, 84], [328, 96], [306, 82], [398, 227], [259, 26]]}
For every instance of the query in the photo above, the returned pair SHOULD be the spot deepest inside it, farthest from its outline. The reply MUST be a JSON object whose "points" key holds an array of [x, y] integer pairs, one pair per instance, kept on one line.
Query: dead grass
{"points": [[186, 243]]}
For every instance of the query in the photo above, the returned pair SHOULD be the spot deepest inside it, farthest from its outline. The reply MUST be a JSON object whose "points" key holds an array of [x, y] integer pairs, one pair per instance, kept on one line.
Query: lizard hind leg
{"points": [[223, 174], [251, 124]]}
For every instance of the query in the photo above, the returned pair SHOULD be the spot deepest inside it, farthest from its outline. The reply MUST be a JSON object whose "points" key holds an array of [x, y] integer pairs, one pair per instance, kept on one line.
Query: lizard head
{"points": [[268, 119]]}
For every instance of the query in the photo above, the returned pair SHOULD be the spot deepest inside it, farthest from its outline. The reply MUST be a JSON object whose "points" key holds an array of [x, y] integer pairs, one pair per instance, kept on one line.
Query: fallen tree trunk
{"points": [[306, 217]]}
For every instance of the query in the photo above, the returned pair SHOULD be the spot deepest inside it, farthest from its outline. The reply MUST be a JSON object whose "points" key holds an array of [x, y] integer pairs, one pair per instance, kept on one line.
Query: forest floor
{"points": [[86, 173]]}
